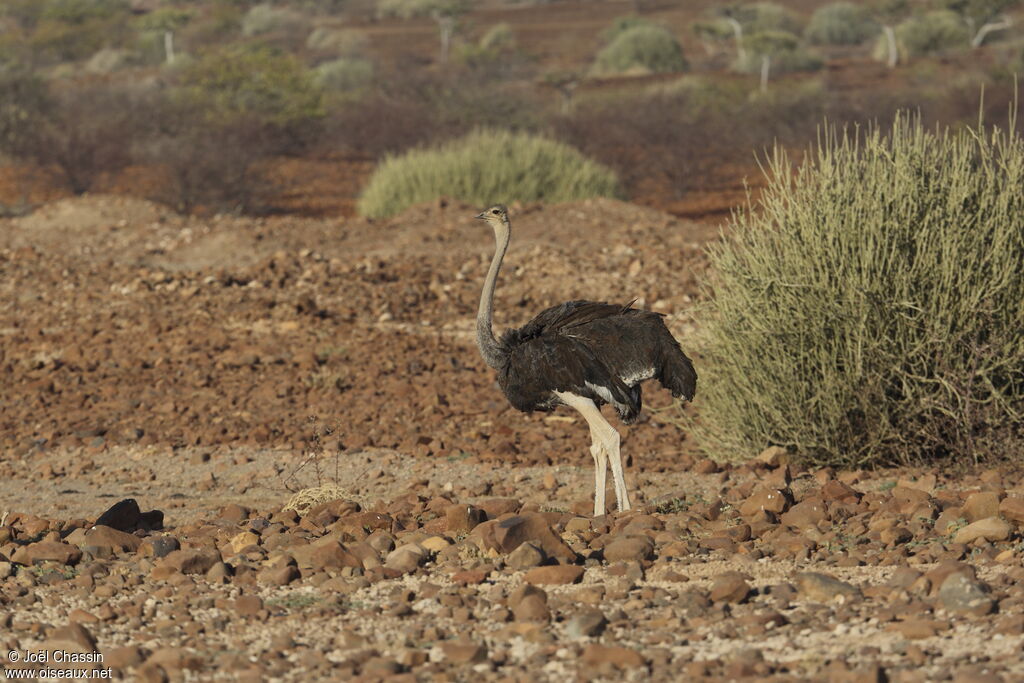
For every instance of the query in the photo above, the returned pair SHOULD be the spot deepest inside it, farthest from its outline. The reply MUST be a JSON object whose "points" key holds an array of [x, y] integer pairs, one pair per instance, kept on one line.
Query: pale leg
{"points": [[615, 459], [600, 474], [605, 445]]}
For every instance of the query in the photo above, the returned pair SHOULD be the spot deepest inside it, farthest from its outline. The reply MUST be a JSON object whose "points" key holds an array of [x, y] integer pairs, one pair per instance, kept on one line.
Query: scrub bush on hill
{"points": [[486, 166]]}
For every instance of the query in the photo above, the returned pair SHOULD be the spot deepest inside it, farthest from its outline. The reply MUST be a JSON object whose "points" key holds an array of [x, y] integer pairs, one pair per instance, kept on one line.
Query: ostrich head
{"points": [[496, 216]]}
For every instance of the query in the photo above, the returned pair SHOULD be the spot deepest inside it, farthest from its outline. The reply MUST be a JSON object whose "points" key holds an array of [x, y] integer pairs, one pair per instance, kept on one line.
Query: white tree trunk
{"points": [[979, 37], [737, 31], [890, 41], [169, 46], [447, 26], [766, 65]]}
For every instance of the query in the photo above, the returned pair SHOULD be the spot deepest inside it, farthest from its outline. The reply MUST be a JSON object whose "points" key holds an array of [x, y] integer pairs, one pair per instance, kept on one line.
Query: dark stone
{"points": [[123, 515]]}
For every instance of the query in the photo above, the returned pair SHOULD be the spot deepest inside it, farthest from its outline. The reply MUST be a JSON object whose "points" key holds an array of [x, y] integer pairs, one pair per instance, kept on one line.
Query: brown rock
{"points": [[470, 577], [586, 624], [629, 549], [835, 490], [108, 537], [981, 505], [47, 551], [619, 657], [1012, 508], [554, 574], [506, 535], [496, 507], [192, 561], [962, 594], [334, 556], [75, 633], [824, 588], [767, 499], [896, 535], [122, 657], [526, 556], [248, 605], [917, 629], [805, 514], [731, 587], [464, 653], [990, 529], [529, 603], [462, 518], [278, 576]]}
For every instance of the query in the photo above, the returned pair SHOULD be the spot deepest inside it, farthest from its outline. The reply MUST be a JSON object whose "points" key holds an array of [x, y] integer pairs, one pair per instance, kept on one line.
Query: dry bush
{"points": [[867, 310], [408, 109], [215, 164], [80, 133]]}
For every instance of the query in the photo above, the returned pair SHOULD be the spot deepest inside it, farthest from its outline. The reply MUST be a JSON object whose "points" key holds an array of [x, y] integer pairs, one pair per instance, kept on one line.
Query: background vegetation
{"points": [[201, 103]]}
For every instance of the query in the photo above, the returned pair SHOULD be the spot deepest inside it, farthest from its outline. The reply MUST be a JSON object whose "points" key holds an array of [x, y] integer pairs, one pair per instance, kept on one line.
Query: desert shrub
{"points": [[218, 165], [486, 166], [408, 108], [622, 24], [340, 42], [841, 23], [346, 75], [765, 16], [496, 51], [646, 48], [786, 53], [79, 133], [926, 34], [664, 143], [260, 82], [867, 310], [263, 19], [405, 9], [69, 30]]}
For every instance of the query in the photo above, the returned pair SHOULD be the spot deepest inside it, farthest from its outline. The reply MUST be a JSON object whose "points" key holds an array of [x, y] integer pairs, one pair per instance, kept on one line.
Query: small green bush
{"points": [[841, 23], [258, 82], [486, 166], [621, 25], [757, 17], [927, 34], [644, 49], [346, 75], [868, 309], [784, 50], [341, 42], [264, 19]]}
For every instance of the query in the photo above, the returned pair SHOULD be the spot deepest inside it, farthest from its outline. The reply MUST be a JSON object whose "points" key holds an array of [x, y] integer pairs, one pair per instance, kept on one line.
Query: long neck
{"points": [[489, 347]]}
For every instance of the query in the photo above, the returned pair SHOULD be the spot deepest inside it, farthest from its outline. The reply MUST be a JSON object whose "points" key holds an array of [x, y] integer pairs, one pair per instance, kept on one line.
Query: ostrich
{"points": [[581, 354]]}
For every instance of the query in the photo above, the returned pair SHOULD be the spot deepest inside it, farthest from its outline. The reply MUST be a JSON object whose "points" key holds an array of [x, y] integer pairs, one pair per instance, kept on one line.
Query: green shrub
{"points": [[486, 166], [69, 30], [644, 49], [346, 75], [783, 49], [868, 310], [927, 34], [766, 16], [341, 42], [260, 82], [841, 23], [264, 19], [623, 24]]}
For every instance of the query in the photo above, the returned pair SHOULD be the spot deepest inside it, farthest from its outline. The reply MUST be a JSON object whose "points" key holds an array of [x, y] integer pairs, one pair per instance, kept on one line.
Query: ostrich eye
{"points": [[495, 212]]}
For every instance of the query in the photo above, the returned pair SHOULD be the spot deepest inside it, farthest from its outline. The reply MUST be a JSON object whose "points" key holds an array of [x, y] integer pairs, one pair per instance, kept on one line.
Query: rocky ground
{"points": [[176, 362]]}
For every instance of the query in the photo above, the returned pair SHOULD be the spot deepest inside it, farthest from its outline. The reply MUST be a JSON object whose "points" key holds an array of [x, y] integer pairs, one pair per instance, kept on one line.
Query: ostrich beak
{"points": [[482, 215]]}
